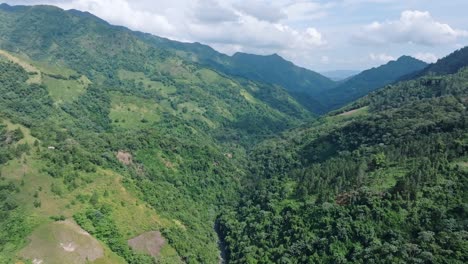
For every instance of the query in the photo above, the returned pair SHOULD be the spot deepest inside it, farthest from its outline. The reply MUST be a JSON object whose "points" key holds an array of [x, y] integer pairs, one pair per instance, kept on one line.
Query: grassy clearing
{"points": [[132, 112], [53, 68], [65, 90], [148, 84], [26, 132], [35, 75], [356, 112], [384, 179], [248, 96]]}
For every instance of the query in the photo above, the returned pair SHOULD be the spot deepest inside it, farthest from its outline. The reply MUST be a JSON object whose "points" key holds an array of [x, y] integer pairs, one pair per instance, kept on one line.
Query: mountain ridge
{"points": [[370, 80]]}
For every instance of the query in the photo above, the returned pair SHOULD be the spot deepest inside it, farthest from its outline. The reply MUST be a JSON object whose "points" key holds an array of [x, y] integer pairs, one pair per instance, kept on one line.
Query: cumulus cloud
{"points": [[262, 10], [426, 56], [415, 27], [211, 11], [294, 29], [381, 57], [230, 26], [306, 10], [325, 59]]}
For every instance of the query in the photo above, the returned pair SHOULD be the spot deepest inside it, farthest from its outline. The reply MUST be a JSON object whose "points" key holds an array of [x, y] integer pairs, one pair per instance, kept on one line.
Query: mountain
{"points": [[104, 132], [368, 81], [302, 84], [339, 75], [383, 180], [447, 65], [122, 147]]}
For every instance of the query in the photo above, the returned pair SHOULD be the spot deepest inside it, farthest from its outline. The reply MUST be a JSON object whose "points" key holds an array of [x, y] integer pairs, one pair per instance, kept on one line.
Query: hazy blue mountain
{"points": [[339, 75], [368, 81]]}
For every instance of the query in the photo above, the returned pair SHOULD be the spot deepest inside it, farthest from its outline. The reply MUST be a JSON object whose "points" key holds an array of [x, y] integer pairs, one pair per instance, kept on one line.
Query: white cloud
{"points": [[121, 12], [306, 10], [325, 59], [262, 10], [381, 57], [427, 57], [302, 31], [230, 26], [211, 11], [415, 27]]}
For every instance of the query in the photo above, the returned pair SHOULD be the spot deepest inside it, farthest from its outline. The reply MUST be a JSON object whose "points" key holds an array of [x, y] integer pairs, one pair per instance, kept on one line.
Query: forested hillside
{"points": [[383, 180], [126, 138], [121, 147], [447, 65], [368, 81]]}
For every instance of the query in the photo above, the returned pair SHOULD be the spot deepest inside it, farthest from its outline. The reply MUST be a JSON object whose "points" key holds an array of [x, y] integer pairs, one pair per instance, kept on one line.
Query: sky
{"points": [[315, 34]]}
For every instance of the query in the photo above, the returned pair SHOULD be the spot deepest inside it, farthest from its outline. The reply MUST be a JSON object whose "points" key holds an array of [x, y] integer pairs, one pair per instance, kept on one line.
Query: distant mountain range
{"points": [[313, 90], [368, 81], [122, 147], [339, 75]]}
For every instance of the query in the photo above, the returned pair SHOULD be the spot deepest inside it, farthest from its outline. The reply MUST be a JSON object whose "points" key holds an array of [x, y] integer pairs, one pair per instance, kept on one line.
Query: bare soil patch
{"points": [[148, 243], [124, 157], [62, 242], [168, 164]]}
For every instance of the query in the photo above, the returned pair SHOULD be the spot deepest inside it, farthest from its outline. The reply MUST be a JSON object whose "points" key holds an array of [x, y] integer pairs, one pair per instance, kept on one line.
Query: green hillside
{"points": [[122, 147], [127, 138], [312, 90], [382, 181], [302, 84], [368, 81], [447, 65]]}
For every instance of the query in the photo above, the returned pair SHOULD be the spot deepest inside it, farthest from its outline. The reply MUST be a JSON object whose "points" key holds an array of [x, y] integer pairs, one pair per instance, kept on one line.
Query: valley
{"points": [[123, 147]]}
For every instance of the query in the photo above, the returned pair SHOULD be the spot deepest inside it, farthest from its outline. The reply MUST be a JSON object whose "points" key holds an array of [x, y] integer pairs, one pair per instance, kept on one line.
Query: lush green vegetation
{"points": [[314, 91], [187, 142], [383, 186], [14, 224], [124, 134]]}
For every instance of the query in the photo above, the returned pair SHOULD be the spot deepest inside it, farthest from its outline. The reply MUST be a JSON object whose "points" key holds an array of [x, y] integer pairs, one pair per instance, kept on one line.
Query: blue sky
{"points": [[320, 35]]}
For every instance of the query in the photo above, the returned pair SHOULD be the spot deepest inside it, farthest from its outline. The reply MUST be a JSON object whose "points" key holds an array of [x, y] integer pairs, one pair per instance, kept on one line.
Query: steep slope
{"points": [[301, 83], [447, 65], [384, 180], [128, 137], [105, 53], [369, 80]]}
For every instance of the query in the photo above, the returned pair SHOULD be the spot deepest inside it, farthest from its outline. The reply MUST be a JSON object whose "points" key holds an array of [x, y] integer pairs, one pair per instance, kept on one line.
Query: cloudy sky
{"points": [[320, 35]]}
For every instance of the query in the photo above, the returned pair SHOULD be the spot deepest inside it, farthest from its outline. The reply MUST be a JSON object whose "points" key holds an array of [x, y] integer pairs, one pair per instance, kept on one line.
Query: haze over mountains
{"points": [[158, 151], [339, 75]]}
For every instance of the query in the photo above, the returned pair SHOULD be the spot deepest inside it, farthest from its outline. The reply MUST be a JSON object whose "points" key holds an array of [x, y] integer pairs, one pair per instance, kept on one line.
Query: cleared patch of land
{"points": [[65, 90], [26, 132], [355, 112], [124, 157], [35, 75], [62, 242], [148, 243], [133, 112]]}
